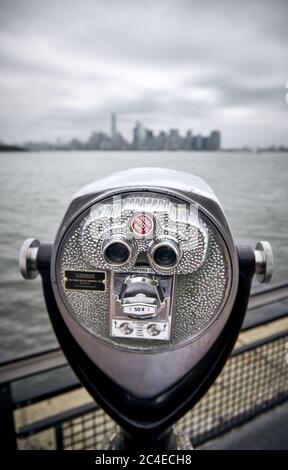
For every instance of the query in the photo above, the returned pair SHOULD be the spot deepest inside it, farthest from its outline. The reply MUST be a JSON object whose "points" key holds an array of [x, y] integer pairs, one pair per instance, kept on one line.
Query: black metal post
{"points": [[7, 426]]}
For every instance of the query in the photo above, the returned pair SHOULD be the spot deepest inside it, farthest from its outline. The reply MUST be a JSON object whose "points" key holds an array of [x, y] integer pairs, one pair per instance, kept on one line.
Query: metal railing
{"points": [[254, 378]]}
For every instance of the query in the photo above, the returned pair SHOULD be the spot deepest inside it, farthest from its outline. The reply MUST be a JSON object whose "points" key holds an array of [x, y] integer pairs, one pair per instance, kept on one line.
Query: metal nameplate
{"points": [[85, 280]]}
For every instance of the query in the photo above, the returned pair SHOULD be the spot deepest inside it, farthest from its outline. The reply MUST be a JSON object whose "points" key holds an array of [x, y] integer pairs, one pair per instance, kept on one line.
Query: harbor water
{"points": [[35, 189]]}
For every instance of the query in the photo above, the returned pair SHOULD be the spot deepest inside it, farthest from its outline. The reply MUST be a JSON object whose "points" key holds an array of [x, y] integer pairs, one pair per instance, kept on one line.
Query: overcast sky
{"points": [[201, 65]]}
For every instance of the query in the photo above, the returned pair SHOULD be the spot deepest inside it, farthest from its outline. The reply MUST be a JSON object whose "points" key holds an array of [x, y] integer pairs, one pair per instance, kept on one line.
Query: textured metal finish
{"points": [[199, 294], [117, 238], [164, 241], [174, 220], [204, 295]]}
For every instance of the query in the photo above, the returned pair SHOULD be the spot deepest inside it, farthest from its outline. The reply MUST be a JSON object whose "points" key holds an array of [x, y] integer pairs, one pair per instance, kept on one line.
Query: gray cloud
{"points": [[65, 65]]}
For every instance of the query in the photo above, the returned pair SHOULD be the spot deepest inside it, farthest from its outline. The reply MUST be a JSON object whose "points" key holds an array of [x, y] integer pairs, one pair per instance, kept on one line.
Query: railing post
{"points": [[7, 426], [59, 437]]}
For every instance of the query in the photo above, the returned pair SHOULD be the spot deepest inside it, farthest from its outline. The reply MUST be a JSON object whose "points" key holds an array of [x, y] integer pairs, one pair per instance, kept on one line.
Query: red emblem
{"points": [[142, 224]]}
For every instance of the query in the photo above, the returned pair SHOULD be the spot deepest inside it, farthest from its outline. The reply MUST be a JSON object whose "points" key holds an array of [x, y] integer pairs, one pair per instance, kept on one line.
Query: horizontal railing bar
{"points": [[48, 389], [268, 295], [52, 421], [66, 387], [254, 320], [31, 365], [52, 359], [268, 287], [259, 342]]}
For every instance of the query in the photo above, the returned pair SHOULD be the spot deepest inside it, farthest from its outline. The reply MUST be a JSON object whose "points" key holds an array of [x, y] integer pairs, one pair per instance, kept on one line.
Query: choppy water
{"points": [[35, 189]]}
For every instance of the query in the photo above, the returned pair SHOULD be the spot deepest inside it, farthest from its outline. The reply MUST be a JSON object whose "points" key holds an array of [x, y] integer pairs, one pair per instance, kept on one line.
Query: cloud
{"points": [[65, 65]]}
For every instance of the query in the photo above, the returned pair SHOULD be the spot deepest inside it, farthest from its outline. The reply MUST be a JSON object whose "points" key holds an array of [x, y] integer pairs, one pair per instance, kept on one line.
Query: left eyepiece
{"points": [[117, 251]]}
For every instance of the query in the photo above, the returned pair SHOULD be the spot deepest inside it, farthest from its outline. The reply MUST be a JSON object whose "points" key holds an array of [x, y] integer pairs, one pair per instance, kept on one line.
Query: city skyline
{"points": [[170, 64], [142, 138]]}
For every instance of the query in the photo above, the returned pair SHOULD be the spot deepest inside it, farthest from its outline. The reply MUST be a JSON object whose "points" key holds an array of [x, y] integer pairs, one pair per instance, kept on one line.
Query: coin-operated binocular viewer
{"points": [[146, 292]]}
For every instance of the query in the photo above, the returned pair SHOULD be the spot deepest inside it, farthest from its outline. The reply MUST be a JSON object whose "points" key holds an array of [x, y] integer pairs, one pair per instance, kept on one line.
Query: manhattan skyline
{"points": [[168, 64], [142, 138]]}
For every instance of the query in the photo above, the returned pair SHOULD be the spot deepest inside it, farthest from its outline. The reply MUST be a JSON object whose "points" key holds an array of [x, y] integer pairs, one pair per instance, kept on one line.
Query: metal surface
{"points": [[20, 368], [7, 425], [268, 295], [254, 379], [157, 177], [201, 295], [28, 258], [31, 365], [163, 242], [263, 261], [92, 333], [118, 238], [153, 299], [110, 219], [146, 385], [157, 366], [51, 421]]}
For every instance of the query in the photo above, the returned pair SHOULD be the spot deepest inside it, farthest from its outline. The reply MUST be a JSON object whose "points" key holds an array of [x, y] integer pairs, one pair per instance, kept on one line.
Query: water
{"points": [[35, 189]]}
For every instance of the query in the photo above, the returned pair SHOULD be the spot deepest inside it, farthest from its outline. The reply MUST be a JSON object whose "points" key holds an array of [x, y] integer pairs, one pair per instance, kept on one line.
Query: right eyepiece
{"points": [[165, 253]]}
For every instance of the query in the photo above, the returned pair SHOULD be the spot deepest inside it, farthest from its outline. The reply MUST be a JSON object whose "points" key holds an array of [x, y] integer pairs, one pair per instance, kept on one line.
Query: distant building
{"points": [[188, 141], [142, 139], [150, 140], [75, 144], [139, 137], [98, 141], [197, 142], [205, 143], [161, 141], [215, 140], [174, 140]]}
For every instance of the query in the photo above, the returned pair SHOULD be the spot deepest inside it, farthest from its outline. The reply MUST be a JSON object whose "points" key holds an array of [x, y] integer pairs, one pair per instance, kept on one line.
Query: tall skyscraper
{"points": [[188, 141], [215, 140], [174, 140], [139, 136], [198, 142]]}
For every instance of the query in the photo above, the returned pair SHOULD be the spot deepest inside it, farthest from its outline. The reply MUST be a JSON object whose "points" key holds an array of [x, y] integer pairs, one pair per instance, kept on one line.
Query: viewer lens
{"points": [[117, 253], [165, 256]]}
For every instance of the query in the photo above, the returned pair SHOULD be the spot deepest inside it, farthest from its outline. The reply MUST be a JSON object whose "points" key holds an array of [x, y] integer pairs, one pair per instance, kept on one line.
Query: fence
{"points": [[254, 379]]}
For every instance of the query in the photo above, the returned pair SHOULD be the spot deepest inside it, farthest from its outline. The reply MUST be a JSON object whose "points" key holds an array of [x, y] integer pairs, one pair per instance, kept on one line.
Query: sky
{"points": [[201, 65]]}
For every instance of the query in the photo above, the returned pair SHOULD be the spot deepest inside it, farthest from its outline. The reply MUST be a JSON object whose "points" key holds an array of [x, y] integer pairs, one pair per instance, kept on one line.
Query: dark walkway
{"points": [[268, 431]]}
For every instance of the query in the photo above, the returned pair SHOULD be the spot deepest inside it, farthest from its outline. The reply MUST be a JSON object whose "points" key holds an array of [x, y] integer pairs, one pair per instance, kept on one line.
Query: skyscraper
{"points": [[215, 140], [198, 142], [188, 141], [174, 140], [139, 136]]}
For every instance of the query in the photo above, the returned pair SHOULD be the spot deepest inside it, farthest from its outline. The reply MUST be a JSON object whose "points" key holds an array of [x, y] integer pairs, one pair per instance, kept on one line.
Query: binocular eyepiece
{"points": [[163, 253], [146, 292], [117, 251]]}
